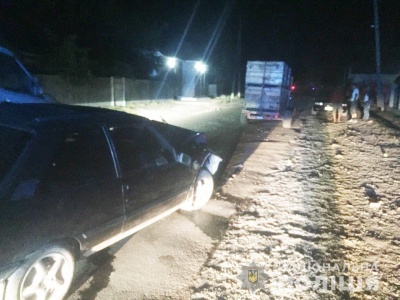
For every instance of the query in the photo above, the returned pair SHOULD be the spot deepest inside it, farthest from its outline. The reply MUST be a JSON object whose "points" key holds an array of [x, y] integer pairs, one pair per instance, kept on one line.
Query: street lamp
{"points": [[200, 67], [170, 77], [171, 62], [379, 99]]}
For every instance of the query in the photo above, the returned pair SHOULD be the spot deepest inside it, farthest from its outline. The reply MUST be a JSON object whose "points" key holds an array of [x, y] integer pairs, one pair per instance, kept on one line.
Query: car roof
{"points": [[36, 116]]}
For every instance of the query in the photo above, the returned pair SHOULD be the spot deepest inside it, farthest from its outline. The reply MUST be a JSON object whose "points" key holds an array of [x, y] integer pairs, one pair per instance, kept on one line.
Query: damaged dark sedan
{"points": [[75, 180]]}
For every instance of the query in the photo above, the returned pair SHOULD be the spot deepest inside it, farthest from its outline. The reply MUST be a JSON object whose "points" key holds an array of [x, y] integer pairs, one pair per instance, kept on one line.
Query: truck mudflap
{"points": [[287, 118]]}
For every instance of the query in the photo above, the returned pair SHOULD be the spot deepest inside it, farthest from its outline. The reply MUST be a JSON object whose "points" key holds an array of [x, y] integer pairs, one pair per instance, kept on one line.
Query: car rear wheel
{"points": [[47, 275], [201, 192]]}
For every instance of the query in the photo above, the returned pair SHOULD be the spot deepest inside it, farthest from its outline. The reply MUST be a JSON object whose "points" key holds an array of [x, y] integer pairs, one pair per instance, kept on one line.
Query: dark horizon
{"points": [[318, 39]]}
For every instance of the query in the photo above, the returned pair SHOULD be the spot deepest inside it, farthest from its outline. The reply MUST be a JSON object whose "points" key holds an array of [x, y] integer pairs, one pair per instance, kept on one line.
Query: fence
{"points": [[104, 91]]}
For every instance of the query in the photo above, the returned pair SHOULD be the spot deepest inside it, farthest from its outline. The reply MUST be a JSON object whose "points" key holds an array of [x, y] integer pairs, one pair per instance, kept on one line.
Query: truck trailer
{"points": [[267, 92]]}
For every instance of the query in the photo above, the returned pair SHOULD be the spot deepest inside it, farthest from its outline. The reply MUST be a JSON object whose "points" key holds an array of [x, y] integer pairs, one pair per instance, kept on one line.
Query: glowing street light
{"points": [[200, 67], [171, 62]]}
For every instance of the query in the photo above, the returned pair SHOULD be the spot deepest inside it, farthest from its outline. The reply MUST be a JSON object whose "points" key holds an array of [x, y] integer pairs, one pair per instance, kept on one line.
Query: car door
{"points": [[154, 182], [80, 189]]}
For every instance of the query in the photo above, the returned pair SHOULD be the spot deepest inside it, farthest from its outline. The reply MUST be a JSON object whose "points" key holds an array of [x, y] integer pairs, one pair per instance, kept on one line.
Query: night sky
{"points": [[319, 39]]}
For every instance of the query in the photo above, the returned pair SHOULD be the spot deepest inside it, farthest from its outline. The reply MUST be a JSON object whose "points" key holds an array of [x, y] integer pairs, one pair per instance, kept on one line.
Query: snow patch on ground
{"points": [[311, 201]]}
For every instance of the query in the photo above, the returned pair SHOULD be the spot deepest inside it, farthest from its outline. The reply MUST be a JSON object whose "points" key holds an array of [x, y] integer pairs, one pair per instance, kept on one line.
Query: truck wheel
{"points": [[287, 119]]}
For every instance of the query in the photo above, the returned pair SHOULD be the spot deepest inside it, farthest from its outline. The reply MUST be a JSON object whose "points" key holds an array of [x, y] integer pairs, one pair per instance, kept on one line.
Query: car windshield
{"points": [[12, 143], [12, 76]]}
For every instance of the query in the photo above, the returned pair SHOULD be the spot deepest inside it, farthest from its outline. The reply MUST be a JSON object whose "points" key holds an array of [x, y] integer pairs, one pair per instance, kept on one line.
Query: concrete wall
{"points": [[104, 91]]}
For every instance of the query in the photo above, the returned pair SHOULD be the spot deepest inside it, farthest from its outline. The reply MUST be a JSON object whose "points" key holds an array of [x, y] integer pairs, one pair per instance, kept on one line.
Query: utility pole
{"points": [[237, 73], [379, 94], [239, 51]]}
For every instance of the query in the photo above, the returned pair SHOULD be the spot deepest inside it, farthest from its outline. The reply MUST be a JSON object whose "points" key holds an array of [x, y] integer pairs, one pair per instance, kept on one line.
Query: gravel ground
{"points": [[317, 207]]}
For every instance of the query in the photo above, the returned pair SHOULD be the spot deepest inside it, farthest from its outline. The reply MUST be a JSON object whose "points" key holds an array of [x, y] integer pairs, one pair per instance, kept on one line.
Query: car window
{"points": [[83, 157], [12, 76], [12, 143], [137, 148]]}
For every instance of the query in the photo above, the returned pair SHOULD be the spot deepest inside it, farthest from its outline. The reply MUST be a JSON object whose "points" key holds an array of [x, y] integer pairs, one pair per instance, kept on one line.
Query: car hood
{"points": [[189, 142], [182, 139]]}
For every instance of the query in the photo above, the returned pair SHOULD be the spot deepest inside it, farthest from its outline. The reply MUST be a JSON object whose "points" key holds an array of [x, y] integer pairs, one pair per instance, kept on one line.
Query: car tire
{"points": [[201, 191], [47, 274]]}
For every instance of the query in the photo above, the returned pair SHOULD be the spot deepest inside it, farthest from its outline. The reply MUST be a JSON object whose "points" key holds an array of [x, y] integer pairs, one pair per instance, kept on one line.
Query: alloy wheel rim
{"points": [[203, 191], [47, 279]]}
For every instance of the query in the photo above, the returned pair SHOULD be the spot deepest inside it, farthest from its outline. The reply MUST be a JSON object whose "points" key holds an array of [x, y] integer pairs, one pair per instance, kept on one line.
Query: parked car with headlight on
{"points": [[75, 180], [322, 103]]}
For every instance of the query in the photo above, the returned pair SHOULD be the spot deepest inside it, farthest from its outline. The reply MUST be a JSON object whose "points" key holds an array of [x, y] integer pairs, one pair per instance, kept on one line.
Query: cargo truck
{"points": [[267, 92]]}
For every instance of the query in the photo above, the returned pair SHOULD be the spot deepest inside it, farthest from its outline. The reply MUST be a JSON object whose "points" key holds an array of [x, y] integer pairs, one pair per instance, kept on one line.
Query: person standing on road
{"points": [[336, 99], [367, 104], [353, 103]]}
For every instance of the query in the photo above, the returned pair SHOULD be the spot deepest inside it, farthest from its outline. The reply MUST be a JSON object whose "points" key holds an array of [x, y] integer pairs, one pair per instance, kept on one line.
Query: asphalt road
{"points": [[161, 261]]}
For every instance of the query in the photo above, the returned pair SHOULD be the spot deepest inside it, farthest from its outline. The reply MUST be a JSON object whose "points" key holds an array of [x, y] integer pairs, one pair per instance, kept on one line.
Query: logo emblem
{"points": [[252, 277]]}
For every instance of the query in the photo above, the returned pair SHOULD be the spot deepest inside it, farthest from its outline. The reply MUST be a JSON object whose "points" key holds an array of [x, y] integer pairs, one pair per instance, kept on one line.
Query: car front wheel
{"points": [[201, 192], [47, 275]]}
